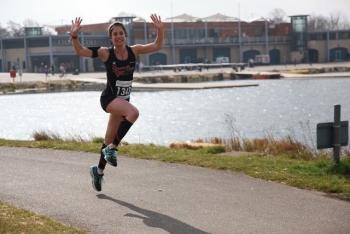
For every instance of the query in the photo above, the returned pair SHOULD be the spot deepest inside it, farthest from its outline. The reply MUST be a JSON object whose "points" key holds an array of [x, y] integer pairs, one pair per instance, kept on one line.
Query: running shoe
{"points": [[96, 178], [110, 155]]}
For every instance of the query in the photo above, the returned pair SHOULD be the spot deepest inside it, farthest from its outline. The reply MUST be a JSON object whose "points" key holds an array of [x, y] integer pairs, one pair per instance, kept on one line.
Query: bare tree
{"points": [[4, 32], [318, 23], [30, 23], [15, 29], [49, 30], [335, 21], [278, 15], [338, 21]]}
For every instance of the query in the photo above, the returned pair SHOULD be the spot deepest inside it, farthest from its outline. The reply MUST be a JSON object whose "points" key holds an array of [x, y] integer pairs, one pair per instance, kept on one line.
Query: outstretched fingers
{"points": [[157, 21], [77, 21], [76, 25]]}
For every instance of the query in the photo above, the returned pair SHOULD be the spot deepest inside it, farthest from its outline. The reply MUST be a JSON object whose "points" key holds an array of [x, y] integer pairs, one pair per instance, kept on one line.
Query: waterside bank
{"points": [[170, 80]]}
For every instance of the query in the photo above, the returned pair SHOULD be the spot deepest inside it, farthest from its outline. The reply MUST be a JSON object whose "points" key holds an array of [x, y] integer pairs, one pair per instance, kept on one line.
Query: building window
{"points": [[299, 24], [38, 42], [13, 43], [333, 36], [344, 35], [33, 31]]}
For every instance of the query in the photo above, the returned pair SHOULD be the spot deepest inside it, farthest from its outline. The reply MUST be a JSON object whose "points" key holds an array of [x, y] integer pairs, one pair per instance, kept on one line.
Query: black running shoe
{"points": [[96, 178]]}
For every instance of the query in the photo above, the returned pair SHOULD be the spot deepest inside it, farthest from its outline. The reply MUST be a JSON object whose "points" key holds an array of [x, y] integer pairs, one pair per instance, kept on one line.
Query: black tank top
{"points": [[119, 74]]}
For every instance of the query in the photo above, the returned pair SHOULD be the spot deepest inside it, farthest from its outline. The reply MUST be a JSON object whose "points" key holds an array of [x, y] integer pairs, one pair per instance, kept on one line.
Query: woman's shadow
{"points": [[154, 219]]}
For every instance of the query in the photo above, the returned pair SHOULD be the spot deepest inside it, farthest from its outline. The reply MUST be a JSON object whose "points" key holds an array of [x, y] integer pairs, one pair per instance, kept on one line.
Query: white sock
{"points": [[112, 146], [99, 171]]}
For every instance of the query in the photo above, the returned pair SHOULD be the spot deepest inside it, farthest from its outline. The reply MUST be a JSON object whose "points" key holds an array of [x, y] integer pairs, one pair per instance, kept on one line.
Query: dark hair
{"points": [[115, 24]]}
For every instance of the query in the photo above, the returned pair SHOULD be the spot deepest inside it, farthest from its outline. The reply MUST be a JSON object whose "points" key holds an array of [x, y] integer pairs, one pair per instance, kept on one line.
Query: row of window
{"points": [[322, 36], [200, 33], [181, 37], [44, 42]]}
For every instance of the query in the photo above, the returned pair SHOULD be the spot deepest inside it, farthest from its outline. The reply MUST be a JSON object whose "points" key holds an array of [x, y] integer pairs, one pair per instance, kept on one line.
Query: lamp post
{"points": [[145, 33], [239, 33], [172, 34], [266, 37]]}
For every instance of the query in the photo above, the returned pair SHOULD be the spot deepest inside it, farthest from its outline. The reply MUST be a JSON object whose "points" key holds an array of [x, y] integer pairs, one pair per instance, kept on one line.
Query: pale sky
{"points": [[62, 11]]}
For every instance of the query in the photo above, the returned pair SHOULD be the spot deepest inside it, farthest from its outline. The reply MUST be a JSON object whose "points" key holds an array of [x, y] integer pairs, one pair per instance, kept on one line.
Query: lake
{"points": [[275, 107]]}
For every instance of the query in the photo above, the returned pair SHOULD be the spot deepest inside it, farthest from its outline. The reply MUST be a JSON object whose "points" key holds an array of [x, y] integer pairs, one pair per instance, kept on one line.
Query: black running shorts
{"points": [[105, 99]]}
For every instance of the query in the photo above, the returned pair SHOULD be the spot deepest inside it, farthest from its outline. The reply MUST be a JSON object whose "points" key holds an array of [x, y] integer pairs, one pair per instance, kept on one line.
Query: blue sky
{"points": [[62, 11]]}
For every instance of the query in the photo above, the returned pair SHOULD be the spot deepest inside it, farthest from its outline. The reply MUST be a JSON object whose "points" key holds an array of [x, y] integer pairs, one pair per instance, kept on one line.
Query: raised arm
{"points": [[74, 31], [157, 43]]}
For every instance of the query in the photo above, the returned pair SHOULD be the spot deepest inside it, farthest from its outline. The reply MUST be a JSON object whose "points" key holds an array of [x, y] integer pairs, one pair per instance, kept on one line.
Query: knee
{"points": [[133, 115]]}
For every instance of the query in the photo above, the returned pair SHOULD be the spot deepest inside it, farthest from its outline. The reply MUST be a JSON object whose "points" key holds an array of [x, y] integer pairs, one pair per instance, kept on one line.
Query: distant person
{"points": [[141, 66], [251, 62], [62, 70], [13, 73], [46, 70], [20, 73], [52, 70], [120, 61]]}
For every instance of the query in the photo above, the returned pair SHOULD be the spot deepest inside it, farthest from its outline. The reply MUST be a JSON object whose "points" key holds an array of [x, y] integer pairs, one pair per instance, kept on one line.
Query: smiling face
{"points": [[118, 36]]}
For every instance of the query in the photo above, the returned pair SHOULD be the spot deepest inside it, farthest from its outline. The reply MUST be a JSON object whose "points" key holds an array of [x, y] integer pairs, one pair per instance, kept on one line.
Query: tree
{"points": [[15, 29], [338, 21], [49, 30], [318, 23], [4, 32], [335, 21], [278, 15], [30, 23]]}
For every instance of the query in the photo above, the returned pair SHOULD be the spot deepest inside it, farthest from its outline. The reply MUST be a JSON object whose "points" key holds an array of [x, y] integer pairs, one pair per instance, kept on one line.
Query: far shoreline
{"points": [[159, 80]]}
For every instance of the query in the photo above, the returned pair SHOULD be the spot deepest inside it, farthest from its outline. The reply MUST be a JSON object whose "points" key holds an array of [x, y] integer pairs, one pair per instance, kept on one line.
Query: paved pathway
{"points": [[153, 197]]}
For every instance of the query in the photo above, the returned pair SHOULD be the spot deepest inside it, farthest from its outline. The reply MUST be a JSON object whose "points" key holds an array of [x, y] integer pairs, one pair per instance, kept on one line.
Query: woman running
{"points": [[119, 60]]}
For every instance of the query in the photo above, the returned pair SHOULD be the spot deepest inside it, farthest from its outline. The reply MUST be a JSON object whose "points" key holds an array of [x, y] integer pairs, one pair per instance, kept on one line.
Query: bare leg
{"points": [[128, 114], [119, 110], [123, 108], [113, 124], [122, 116]]}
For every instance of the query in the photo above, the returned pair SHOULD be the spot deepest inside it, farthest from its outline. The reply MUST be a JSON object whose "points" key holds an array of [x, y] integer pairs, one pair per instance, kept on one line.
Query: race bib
{"points": [[123, 88]]}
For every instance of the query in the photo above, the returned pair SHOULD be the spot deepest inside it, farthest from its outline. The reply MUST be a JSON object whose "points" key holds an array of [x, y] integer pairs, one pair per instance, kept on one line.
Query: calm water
{"points": [[277, 107]]}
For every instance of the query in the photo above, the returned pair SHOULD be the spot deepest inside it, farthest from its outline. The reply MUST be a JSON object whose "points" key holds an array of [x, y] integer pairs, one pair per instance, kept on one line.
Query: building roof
{"points": [[219, 18], [90, 28], [182, 18]]}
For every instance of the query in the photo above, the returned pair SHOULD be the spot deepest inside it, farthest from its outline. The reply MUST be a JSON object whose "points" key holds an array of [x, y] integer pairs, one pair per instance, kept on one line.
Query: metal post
{"points": [[2, 55], [336, 134], [266, 37], [239, 33], [172, 39], [26, 53], [81, 61], [145, 39], [50, 50], [206, 40], [327, 47]]}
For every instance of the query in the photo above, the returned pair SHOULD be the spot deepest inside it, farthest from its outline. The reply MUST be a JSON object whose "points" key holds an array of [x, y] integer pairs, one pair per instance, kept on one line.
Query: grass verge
{"points": [[14, 220]]}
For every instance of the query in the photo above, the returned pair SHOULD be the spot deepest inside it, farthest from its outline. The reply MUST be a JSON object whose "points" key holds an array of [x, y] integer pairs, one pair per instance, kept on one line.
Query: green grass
{"points": [[14, 220], [300, 169]]}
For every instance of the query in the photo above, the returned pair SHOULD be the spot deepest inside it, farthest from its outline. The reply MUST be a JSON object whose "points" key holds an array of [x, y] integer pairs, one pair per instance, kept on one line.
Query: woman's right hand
{"points": [[74, 30]]}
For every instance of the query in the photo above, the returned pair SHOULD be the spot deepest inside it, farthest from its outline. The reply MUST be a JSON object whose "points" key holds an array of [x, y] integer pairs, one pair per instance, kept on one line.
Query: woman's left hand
{"points": [[157, 22]]}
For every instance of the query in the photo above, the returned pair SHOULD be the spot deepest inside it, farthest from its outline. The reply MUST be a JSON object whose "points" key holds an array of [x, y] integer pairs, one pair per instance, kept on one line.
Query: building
{"points": [[188, 39]]}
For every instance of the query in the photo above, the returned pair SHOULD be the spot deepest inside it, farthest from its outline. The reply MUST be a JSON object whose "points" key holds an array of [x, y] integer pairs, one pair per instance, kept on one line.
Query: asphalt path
{"points": [[143, 196]]}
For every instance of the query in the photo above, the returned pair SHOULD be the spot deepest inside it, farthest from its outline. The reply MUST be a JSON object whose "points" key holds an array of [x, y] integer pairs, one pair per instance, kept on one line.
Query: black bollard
{"points": [[336, 134]]}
